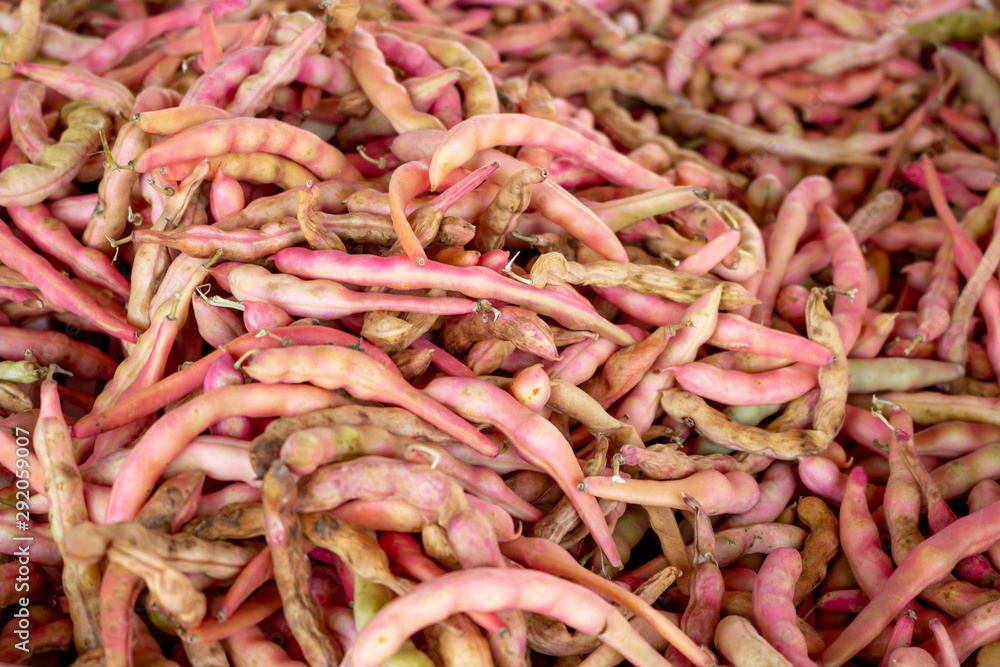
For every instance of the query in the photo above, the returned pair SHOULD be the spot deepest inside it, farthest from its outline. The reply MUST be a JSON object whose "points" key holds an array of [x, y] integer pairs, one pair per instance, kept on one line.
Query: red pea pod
{"points": [[939, 298], [967, 257], [244, 135], [974, 630], [223, 373], [278, 69], [339, 367], [27, 126], [177, 385], [170, 434], [926, 564], [119, 44], [50, 347], [495, 589], [476, 282], [207, 95], [707, 587], [218, 326], [405, 551], [379, 84], [536, 439], [53, 237], [773, 609], [143, 368], [488, 131], [788, 229], [737, 388], [849, 274], [55, 167], [57, 288], [732, 332], [109, 96], [729, 493], [326, 299], [551, 200]]}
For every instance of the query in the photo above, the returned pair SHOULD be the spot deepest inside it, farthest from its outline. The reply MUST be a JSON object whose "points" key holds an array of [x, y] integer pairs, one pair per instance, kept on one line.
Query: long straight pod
{"points": [[477, 282]]}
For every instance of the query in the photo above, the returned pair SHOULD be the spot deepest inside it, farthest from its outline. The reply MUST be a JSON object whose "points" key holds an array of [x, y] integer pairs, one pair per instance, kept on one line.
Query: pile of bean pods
{"points": [[492, 332]]}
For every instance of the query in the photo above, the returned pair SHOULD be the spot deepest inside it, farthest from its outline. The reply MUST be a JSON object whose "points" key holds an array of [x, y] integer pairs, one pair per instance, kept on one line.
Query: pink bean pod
{"points": [[217, 84], [110, 215], [704, 608], [476, 282], [374, 76], [737, 639], [279, 68], [953, 190], [340, 367], [729, 493], [761, 538], [850, 601], [625, 368], [497, 589], [974, 630], [326, 299], [788, 54], [581, 360], [483, 132], [977, 82], [407, 553], [177, 385], [732, 332], [625, 211], [821, 476], [777, 487], [74, 212], [483, 402], [258, 315], [958, 476], [698, 35], [532, 387], [109, 96], [227, 196], [926, 564], [982, 494], [57, 288], [849, 275], [120, 43], [152, 453], [641, 406], [912, 657], [27, 128], [734, 387], [773, 609], [712, 253], [415, 61], [881, 211], [873, 336], [252, 641], [856, 55], [936, 303], [551, 200], [222, 373], [789, 227], [967, 257], [248, 135], [901, 637], [143, 368], [53, 237], [56, 41]]}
